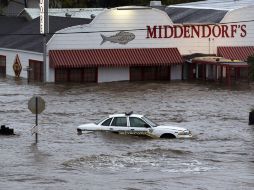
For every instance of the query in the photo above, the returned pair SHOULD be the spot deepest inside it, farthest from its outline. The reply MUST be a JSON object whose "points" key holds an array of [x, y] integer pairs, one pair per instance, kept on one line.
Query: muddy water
{"points": [[220, 156]]}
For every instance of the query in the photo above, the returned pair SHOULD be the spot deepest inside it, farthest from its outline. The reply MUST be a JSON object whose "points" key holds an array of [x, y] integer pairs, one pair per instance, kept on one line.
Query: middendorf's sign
{"points": [[196, 31]]}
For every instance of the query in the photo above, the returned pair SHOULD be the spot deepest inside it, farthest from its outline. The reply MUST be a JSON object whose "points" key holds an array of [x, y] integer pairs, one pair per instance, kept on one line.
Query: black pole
{"points": [[28, 75], [251, 118], [36, 119], [25, 3]]}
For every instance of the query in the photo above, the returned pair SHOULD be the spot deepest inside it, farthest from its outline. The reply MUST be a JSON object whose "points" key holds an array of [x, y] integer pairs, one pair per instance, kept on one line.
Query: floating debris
{"points": [[6, 130]]}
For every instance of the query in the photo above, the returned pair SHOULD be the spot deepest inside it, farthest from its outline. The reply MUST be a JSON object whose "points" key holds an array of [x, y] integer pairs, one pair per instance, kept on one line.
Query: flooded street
{"points": [[219, 156]]}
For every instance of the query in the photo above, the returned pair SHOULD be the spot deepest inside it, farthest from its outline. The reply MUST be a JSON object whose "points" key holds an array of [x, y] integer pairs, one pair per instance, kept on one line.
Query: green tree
{"points": [[251, 64]]}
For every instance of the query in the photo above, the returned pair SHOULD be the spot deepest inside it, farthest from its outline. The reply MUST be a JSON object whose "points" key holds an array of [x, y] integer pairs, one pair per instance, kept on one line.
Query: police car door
{"points": [[138, 126], [119, 124]]}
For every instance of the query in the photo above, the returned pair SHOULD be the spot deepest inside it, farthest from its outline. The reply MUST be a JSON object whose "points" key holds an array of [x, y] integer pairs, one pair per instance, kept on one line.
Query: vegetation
{"points": [[1, 10], [251, 64], [108, 3]]}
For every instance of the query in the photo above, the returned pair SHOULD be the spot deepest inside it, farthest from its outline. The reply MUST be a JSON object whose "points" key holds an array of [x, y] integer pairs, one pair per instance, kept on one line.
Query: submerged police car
{"points": [[134, 124]]}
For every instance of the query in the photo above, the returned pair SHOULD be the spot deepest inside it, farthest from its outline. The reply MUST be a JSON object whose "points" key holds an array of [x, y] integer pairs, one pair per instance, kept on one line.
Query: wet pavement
{"points": [[219, 156]]}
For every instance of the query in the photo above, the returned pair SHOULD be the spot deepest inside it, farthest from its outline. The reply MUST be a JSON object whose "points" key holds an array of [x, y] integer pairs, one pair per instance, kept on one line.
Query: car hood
{"points": [[170, 127], [87, 125]]}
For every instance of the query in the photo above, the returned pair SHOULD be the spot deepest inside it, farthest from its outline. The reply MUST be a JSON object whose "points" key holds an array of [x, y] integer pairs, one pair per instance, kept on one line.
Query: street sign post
{"points": [[36, 105]]}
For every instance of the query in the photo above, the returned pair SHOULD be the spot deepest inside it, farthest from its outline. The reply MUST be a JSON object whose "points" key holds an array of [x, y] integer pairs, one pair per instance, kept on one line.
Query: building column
{"points": [[197, 71], [191, 71], [204, 71], [228, 75], [221, 73], [216, 72]]}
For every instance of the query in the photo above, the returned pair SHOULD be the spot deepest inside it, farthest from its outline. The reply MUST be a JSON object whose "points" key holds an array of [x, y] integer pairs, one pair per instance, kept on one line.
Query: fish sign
{"points": [[120, 38]]}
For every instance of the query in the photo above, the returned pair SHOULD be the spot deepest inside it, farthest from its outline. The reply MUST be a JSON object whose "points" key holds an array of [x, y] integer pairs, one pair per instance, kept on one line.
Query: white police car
{"points": [[134, 124]]}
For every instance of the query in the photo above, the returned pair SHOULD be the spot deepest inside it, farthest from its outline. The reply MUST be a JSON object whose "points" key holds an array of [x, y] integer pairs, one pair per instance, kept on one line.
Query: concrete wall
{"points": [[176, 72], [110, 74], [24, 57]]}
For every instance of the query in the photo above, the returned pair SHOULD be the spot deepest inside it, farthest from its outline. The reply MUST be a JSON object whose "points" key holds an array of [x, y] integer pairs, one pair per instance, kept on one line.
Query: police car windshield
{"points": [[151, 123], [97, 122]]}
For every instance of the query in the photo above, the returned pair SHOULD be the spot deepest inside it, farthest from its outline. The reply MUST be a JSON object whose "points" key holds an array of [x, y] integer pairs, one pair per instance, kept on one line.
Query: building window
{"points": [[2, 66], [61, 75], [77, 75]]}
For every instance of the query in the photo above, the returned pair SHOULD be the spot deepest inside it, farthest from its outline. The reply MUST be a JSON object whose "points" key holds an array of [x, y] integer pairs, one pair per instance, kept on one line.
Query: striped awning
{"points": [[236, 52], [114, 57]]}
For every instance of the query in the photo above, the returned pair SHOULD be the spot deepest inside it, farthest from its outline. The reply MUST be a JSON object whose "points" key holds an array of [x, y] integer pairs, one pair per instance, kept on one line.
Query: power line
{"points": [[82, 10], [126, 30]]}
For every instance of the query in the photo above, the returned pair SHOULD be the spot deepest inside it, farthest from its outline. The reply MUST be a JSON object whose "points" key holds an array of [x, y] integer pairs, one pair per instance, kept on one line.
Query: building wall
{"points": [[137, 20], [238, 15], [176, 72], [113, 20], [24, 57], [110, 74], [209, 45]]}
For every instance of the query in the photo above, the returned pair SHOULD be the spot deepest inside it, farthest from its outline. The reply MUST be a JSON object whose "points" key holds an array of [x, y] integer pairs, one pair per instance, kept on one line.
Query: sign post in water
{"points": [[36, 105]]}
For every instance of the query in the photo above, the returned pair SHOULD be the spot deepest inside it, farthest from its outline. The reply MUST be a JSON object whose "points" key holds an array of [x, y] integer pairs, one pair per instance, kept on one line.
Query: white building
{"points": [[114, 47]]}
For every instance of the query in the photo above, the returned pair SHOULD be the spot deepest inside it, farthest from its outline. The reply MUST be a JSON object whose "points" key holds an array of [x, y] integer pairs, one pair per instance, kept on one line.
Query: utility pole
{"points": [[44, 29]]}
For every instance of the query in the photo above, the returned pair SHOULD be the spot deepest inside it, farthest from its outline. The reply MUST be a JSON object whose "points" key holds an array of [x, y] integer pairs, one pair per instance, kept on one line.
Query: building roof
{"points": [[32, 13], [194, 15], [27, 36], [236, 52], [114, 57], [11, 24], [216, 4], [209, 11], [14, 7]]}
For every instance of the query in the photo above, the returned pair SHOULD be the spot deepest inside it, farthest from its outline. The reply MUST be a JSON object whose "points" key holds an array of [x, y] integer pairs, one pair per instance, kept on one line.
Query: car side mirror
{"points": [[146, 125]]}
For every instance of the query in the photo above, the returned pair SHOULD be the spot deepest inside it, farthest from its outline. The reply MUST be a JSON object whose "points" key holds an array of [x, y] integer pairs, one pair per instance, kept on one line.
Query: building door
{"points": [[76, 75], [2, 66], [149, 73], [35, 72]]}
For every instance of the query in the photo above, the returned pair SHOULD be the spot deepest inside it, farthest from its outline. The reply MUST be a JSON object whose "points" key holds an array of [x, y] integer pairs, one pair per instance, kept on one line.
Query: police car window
{"points": [[119, 121], [107, 122], [150, 122], [99, 121], [137, 122]]}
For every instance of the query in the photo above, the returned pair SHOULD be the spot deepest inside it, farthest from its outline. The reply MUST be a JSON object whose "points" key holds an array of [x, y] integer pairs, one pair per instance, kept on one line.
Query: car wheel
{"points": [[168, 136]]}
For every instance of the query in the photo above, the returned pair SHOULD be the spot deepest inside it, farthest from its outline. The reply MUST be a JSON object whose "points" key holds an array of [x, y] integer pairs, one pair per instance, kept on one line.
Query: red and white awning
{"points": [[114, 57], [236, 52]]}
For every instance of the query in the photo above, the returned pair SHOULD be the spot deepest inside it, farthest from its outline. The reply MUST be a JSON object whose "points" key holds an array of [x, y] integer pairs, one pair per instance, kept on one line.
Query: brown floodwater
{"points": [[219, 156]]}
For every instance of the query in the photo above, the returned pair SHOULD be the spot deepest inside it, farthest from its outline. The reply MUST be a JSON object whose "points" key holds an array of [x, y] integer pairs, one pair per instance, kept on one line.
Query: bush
{"points": [[251, 64]]}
